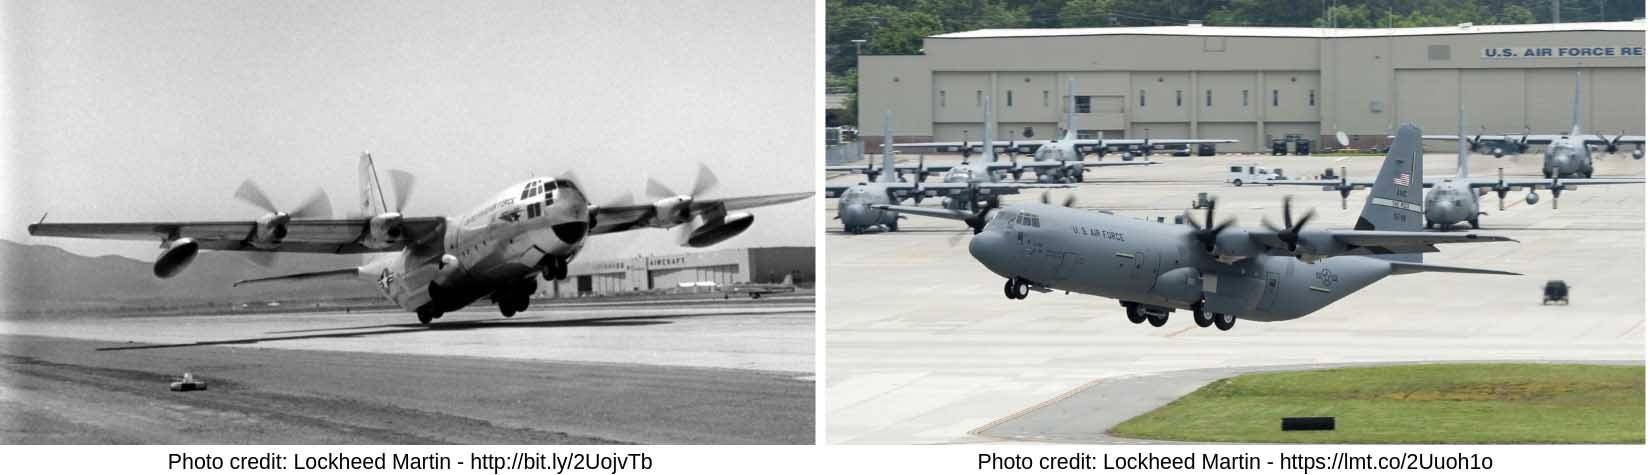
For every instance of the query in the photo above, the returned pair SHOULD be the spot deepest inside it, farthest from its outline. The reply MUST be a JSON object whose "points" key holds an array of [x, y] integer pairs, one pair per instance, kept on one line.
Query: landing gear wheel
{"points": [[1588, 173], [1224, 321], [1473, 222], [1133, 312], [1008, 289], [1547, 173], [1158, 321], [1202, 319], [1021, 289], [425, 315]]}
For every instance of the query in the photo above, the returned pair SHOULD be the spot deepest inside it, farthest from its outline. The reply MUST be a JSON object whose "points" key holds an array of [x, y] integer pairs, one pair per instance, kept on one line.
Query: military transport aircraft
{"points": [[1567, 155], [964, 189], [441, 264], [1455, 199], [1218, 272]]}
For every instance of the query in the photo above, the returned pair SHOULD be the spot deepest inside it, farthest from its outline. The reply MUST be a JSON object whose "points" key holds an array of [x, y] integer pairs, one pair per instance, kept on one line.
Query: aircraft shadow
{"points": [[391, 329]]}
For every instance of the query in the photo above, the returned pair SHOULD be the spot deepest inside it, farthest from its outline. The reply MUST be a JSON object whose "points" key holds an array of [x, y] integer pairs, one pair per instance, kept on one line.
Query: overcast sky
{"points": [[157, 110]]}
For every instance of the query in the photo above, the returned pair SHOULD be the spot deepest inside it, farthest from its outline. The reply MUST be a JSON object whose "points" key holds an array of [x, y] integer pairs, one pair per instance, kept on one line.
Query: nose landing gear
{"points": [[553, 268], [1016, 289]]}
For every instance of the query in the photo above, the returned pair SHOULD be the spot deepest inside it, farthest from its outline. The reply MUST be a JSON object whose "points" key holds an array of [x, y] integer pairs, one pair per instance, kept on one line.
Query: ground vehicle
{"points": [[1237, 175], [1555, 291]]}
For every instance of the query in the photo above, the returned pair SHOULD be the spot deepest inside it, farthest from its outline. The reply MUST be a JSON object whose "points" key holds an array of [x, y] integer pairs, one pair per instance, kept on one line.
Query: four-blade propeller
{"points": [[1291, 232], [1207, 233]]}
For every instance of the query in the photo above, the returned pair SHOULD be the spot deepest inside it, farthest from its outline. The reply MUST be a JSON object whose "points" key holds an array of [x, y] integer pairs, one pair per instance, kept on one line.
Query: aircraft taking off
{"points": [[1567, 155], [1455, 199], [441, 264], [1218, 272], [964, 187], [1061, 160]]}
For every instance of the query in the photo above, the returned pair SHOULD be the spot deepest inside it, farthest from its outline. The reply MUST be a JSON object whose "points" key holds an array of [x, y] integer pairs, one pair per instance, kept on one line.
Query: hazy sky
{"points": [[157, 110]]}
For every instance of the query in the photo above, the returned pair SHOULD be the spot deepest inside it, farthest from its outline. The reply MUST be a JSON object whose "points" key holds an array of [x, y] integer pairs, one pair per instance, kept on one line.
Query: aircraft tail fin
{"points": [[1071, 110], [1394, 202], [372, 194], [1575, 108], [889, 173], [790, 279], [1461, 148], [989, 141]]}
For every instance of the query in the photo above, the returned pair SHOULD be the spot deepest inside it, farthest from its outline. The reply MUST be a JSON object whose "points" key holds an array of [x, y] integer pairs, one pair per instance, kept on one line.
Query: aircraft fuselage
{"points": [[1160, 264]]}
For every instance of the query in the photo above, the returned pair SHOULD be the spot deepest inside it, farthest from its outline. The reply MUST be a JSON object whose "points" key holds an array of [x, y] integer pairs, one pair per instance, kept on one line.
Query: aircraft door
{"points": [[1271, 291]]}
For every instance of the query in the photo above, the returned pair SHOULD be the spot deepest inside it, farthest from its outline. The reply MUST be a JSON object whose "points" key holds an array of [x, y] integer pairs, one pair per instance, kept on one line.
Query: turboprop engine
{"points": [[383, 230], [1532, 198], [710, 231], [176, 257], [271, 229]]}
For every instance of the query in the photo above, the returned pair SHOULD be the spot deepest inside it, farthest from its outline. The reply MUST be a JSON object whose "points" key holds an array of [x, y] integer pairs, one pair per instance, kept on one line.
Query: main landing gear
{"points": [[427, 314], [1016, 289], [1159, 316], [515, 298]]}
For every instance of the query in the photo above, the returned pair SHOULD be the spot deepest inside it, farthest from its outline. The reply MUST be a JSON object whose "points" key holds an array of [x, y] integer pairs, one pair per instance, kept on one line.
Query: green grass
{"points": [[1413, 404]]}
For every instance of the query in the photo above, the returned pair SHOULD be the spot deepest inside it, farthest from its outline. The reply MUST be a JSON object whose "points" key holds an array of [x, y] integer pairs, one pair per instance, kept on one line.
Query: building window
{"points": [[1245, 98], [1010, 98], [1177, 98], [1312, 97], [1045, 98], [1142, 98], [942, 98], [1208, 98], [1274, 98], [1083, 106], [979, 98]]}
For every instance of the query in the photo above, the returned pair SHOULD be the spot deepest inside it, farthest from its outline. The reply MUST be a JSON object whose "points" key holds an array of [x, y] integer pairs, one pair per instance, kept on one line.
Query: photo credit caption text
{"points": [[538, 462]]}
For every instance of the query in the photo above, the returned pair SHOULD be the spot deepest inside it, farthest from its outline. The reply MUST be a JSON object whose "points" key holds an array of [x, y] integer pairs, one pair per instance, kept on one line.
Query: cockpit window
{"points": [[565, 184]]}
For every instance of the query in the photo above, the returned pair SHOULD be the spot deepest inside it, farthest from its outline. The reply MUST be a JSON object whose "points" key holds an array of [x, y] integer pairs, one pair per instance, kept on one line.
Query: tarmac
{"points": [[710, 372], [921, 347]]}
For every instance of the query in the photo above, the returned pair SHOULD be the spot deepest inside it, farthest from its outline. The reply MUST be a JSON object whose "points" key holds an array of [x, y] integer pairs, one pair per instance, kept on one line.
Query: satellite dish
{"points": [[1340, 136]]}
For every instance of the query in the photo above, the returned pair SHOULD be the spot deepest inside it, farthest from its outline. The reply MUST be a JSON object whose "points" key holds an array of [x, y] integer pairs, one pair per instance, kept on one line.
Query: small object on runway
{"points": [[1308, 423], [188, 383]]}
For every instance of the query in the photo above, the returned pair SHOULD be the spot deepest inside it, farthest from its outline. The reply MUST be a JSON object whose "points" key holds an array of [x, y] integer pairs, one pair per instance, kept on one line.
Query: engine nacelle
{"points": [[1532, 198], [671, 211], [448, 271], [1638, 154], [271, 229], [175, 258], [712, 232], [383, 231], [1499, 152]]}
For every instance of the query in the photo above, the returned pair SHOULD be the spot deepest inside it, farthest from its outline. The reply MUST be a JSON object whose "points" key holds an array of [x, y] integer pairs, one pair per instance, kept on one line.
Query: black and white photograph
{"points": [[408, 222]]}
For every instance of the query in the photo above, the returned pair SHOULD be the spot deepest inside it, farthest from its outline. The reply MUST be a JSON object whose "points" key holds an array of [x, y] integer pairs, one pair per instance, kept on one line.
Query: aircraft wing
{"points": [[1548, 182], [1331, 185], [1603, 139], [1354, 242], [612, 219], [1022, 145], [322, 236], [984, 189], [844, 168], [1114, 142], [943, 213], [1117, 164]]}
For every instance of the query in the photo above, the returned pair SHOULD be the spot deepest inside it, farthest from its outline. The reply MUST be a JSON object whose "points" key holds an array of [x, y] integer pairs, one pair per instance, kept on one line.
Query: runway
{"points": [[671, 373], [921, 347]]}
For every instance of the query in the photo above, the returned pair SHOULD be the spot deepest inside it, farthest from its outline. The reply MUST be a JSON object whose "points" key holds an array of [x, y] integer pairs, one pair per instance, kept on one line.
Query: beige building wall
{"points": [[1362, 85]]}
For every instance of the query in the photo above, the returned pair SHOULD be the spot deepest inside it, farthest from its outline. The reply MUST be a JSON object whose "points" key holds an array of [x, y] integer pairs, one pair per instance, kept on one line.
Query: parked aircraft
{"points": [[1218, 272], [1567, 155], [1455, 199], [431, 264]]}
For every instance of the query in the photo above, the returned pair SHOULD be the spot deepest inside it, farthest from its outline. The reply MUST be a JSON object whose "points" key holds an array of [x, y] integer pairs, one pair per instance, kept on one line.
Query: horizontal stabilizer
{"points": [[943, 213], [330, 274], [1399, 268]]}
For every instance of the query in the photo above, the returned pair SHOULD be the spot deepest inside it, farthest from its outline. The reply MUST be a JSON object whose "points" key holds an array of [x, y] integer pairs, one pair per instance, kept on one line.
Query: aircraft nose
{"points": [[987, 248], [855, 214]]}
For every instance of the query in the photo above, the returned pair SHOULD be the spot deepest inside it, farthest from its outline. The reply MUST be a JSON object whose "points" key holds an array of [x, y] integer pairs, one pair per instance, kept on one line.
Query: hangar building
{"points": [[1254, 83], [666, 272]]}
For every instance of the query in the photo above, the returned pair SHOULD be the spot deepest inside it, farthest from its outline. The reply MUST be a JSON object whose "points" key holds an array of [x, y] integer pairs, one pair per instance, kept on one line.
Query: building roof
{"points": [[1295, 32]]}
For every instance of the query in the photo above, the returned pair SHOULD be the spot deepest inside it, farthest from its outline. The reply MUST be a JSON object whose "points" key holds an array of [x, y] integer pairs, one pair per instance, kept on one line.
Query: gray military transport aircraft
{"points": [[1218, 272], [1455, 199], [966, 188], [1060, 160], [1567, 155], [441, 264]]}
